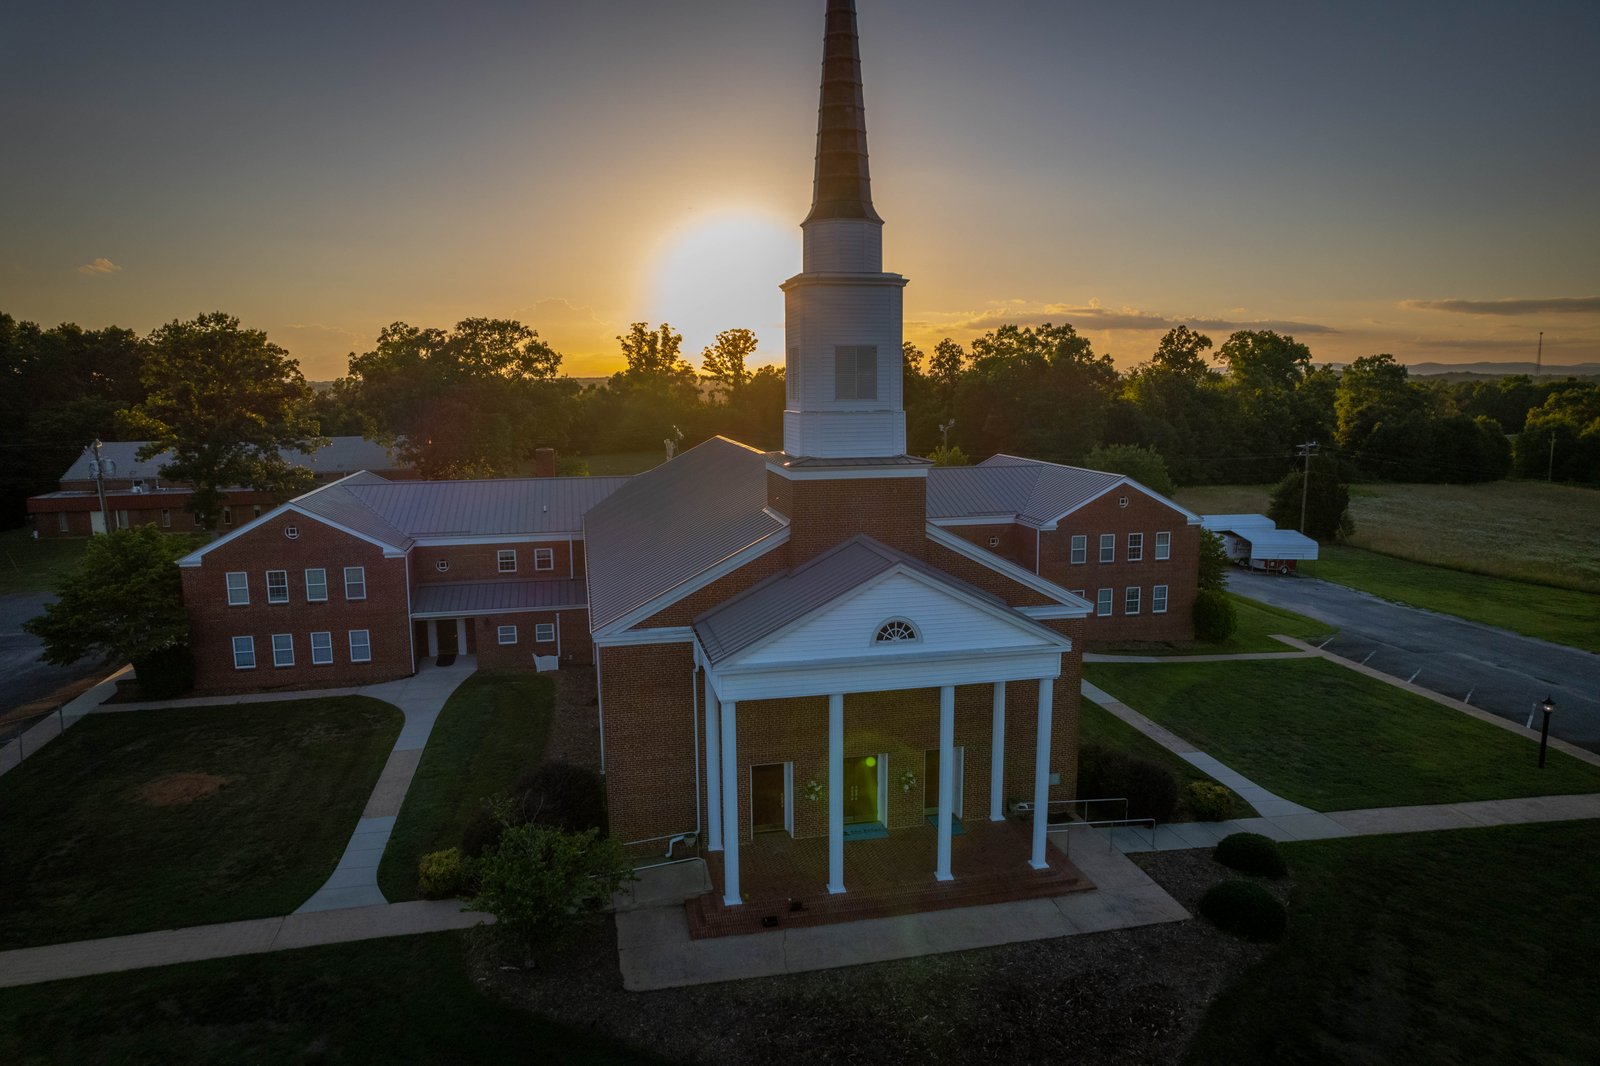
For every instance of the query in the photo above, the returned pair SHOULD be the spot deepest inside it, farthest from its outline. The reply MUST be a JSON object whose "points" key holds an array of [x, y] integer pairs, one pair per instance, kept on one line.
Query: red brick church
{"points": [[826, 643]]}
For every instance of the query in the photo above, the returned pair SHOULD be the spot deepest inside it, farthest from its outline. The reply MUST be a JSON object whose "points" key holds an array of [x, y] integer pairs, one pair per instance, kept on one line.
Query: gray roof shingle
{"points": [[342, 455], [1011, 488], [483, 597]]}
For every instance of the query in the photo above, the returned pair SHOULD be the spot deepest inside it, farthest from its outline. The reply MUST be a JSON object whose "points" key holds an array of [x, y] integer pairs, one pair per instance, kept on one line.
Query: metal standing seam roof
{"points": [[499, 507], [484, 597], [1006, 485], [341, 455], [671, 523]]}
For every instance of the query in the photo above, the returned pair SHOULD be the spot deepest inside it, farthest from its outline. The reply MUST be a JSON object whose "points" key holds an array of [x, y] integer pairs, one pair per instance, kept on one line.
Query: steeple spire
{"points": [[842, 188]]}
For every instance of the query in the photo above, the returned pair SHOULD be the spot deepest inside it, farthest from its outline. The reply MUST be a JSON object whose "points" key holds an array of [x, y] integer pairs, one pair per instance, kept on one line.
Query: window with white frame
{"points": [[166, 518], [227, 516], [544, 633], [321, 648], [855, 372], [1080, 548], [63, 523], [506, 560], [360, 646], [122, 519], [316, 585], [1102, 602], [283, 649], [277, 586], [508, 634], [1135, 547], [355, 582], [1163, 545], [1082, 594], [894, 631], [1158, 600], [1108, 547], [1130, 599], [238, 588], [544, 558], [244, 653]]}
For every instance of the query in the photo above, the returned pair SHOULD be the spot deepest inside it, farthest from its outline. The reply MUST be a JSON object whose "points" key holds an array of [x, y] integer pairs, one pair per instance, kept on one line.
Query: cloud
{"points": [[99, 265], [1094, 317], [1564, 305]]}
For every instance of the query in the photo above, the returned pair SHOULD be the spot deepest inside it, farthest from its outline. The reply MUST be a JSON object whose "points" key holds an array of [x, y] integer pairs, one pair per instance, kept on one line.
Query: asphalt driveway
{"points": [[23, 678], [1497, 671]]}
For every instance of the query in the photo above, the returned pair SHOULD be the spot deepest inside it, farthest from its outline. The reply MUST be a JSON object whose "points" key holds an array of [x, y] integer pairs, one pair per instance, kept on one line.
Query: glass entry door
{"points": [[861, 789]]}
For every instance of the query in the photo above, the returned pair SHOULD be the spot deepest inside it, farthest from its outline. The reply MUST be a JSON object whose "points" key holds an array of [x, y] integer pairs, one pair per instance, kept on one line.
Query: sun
{"points": [[723, 272]]}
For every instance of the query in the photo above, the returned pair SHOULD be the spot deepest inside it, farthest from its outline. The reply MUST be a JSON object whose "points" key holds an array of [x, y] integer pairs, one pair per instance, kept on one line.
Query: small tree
{"points": [[1326, 502], [949, 456], [1213, 563], [723, 362], [1144, 465]]}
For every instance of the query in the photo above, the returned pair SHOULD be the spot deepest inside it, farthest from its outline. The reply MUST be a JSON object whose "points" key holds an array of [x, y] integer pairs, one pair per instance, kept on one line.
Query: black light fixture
{"points": [[1544, 733]]}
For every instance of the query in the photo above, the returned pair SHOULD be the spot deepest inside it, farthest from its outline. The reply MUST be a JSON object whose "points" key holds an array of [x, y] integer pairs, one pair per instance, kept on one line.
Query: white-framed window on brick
{"points": [[1158, 600], [244, 653], [1108, 547], [355, 583], [506, 560], [321, 648], [1080, 548], [238, 588], [1102, 602], [544, 558], [544, 633], [1163, 545], [316, 585], [63, 523], [855, 372], [283, 649], [166, 518], [227, 516], [277, 586], [1130, 599], [508, 634], [360, 646], [122, 519], [1135, 547], [1082, 594]]}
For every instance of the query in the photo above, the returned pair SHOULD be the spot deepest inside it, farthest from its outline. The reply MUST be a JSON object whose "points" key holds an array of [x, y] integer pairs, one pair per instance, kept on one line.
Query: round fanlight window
{"points": [[895, 631]]}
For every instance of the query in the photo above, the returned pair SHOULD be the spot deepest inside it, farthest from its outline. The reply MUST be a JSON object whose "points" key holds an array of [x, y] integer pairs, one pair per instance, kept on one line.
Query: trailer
{"points": [[1255, 541]]}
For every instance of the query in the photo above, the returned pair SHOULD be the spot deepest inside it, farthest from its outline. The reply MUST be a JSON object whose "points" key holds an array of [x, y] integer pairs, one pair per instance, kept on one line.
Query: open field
{"points": [[491, 729], [1100, 726], [28, 565], [617, 463], [154, 819], [1479, 945], [1333, 739]]}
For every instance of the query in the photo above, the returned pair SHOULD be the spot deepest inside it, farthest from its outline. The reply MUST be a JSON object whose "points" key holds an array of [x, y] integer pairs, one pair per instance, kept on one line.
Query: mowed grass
{"points": [[1258, 623], [491, 729], [611, 464], [1563, 616], [1099, 726], [28, 565], [1478, 945], [1333, 739], [404, 999], [156, 819]]}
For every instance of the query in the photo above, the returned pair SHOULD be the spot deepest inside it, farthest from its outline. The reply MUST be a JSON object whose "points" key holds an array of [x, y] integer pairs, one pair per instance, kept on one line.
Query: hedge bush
{"points": [[1151, 790], [1214, 616], [1246, 910], [442, 874], [165, 674], [1251, 853], [1209, 801], [562, 795]]}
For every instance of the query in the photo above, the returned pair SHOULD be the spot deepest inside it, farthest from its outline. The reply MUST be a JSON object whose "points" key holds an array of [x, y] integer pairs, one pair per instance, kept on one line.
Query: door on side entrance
{"points": [[861, 789], [97, 521], [769, 798], [930, 781]]}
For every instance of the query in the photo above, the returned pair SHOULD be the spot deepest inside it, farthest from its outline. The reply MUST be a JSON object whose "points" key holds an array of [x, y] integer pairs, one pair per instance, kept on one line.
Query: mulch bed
{"points": [[574, 735]]}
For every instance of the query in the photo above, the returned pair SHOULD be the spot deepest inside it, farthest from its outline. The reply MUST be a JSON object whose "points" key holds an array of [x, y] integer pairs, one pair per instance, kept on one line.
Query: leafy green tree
{"points": [[1272, 412], [226, 402], [1144, 465], [944, 370], [723, 362], [1040, 391], [1327, 502], [1214, 563], [951, 456], [654, 355], [1178, 403], [1561, 439]]}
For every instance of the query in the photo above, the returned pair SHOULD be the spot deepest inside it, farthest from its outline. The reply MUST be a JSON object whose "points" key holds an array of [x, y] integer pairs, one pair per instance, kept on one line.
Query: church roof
{"points": [[1009, 488], [339, 455], [450, 598], [842, 187]]}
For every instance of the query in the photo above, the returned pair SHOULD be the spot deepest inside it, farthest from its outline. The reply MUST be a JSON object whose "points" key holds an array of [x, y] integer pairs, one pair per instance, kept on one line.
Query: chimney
{"points": [[544, 462]]}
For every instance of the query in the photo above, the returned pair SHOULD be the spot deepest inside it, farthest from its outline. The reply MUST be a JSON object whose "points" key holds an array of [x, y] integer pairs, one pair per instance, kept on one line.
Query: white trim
{"points": [[1162, 599], [500, 635], [658, 635], [351, 639], [275, 662], [1128, 481], [252, 650], [552, 559], [1050, 611], [192, 560], [1159, 556], [306, 576], [885, 674], [313, 640], [1108, 597], [1005, 568], [551, 626], [1104, 546], [1007, 519], [846, 473], [285, 598], [438, 541], [228, 585], [345, 573], [689, 585]]}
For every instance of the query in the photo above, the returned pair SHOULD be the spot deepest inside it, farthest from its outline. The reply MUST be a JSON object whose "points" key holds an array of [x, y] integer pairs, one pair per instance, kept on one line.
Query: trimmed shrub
{"points": [[1208, 801], [562, 795], [165, 674], [1214, 616], [482, 833], [1251, 853], [1246, 910], [442, 874], [1151, 791]]}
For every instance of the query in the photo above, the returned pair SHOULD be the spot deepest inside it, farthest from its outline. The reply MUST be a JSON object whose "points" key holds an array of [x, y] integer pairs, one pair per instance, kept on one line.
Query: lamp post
{"points": [[944, 433], [1544, 733]]}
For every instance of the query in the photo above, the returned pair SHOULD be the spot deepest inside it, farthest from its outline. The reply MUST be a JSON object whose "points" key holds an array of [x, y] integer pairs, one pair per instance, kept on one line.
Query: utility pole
{"points": [[1550, 471], [1538, 360], [100, 484], [1306, 450]]}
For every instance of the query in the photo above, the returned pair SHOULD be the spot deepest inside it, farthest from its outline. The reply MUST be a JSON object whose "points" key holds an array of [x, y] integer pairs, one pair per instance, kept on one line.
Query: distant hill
{"points": [[1500, 370]]}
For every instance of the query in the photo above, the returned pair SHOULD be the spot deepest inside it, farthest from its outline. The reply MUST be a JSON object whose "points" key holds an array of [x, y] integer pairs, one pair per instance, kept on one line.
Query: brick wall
{"points": [[481, 562], [649, 735], [823, 513], [571, 640]]}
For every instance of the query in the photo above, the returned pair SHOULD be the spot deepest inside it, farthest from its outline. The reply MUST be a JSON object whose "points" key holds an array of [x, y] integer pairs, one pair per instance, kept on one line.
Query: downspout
{"points": [[411, 636], [694, 731], [1036, 552], [600, 706]]}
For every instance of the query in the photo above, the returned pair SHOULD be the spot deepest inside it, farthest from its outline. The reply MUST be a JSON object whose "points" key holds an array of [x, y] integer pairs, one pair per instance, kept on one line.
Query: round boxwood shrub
{"points": [[1150, 789], [442, 874], [562, 795], [1246, 910], [1251, 853], [1208, 801], [1214, 616], [165, 674]]}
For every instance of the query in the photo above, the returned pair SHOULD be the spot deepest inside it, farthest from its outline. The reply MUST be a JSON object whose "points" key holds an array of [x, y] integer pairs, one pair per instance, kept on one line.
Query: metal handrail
{"points": [[1115, 824], [1026, 806]]}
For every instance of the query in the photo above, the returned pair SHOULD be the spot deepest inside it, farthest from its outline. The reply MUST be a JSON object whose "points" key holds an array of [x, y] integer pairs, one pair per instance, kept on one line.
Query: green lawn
{"points": [[1564, 616], [1100, 726], [28, 565], [406, 999], [491, 729], [617, 463], [155, 819], [1257, 624], [1333, 739], [1478, 945]]}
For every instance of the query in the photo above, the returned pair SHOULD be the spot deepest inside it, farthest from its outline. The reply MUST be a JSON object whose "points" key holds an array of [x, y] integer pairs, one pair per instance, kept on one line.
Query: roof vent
{"points": [[292, 532], [442, 565], [1122, 501]]}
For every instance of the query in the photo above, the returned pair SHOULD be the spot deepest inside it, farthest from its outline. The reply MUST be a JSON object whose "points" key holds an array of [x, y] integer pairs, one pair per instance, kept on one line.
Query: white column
{"points": [[713, 772], [461, 636], [433, 638], [997, 756], [835, 794], [1041, 774], [730, 807], [947, 777]]}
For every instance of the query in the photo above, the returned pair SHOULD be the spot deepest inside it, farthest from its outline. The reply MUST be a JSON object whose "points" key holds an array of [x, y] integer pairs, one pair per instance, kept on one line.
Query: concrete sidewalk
{"points": [[1244, 656], [52, 726]]}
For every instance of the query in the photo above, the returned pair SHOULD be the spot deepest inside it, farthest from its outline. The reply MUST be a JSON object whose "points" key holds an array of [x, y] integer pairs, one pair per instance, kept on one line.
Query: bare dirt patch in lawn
{"points": [[177, 790]]}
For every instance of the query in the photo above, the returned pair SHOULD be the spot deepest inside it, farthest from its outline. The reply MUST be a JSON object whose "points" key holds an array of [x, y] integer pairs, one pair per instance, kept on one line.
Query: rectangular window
{"points": [[122, 519], [1102, 603], [360, 646], [166, 518], [1158, 600], [238, 589], [1135, 547], [282, 649], [1163, 545], [544, 558], [277, 586], [1108, 547], [544, 633], [855, 372], [1082, 594], [244, 653], [1080, 548], [316, 585], [63, 525], [508, 634], [321, 649], [257, 511], [355, 582], [1130, 600], [506, 560], [227, 516]]}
